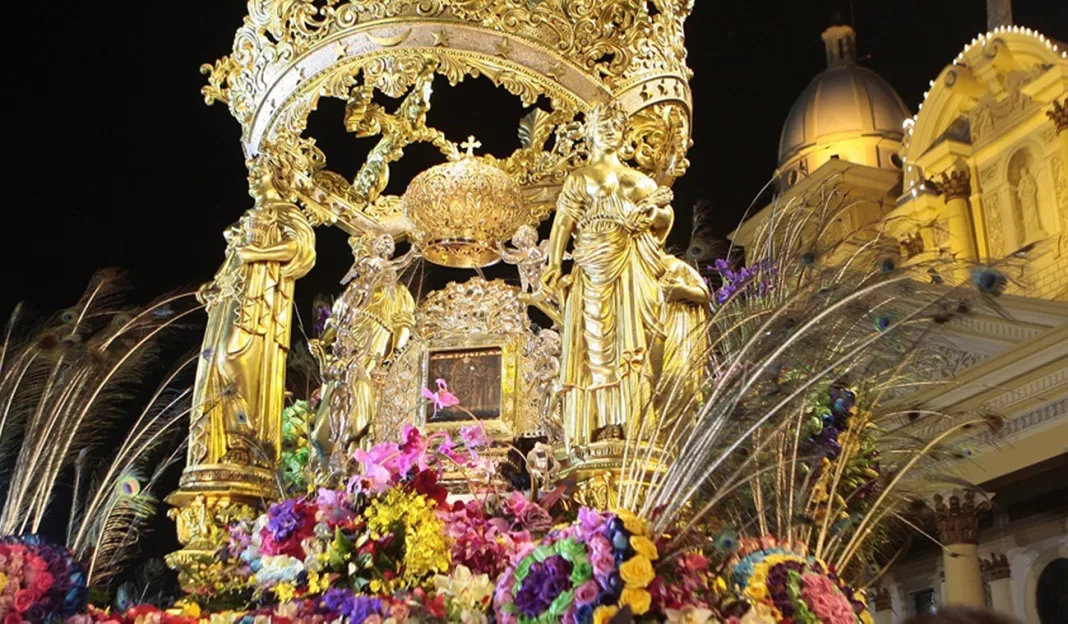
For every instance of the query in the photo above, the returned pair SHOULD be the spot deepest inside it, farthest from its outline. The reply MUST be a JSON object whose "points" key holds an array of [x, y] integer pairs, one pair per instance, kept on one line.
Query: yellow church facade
{"points": [[978, 171]]}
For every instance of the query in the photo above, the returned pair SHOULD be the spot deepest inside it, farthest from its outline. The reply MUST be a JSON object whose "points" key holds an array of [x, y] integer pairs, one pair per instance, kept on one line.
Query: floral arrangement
{"points": [[38, 581], [586, 572], [781, 580], [387, 544]]}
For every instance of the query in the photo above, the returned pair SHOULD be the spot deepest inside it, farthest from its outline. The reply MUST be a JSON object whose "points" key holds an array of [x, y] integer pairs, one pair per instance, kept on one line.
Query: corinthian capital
{"points": [[1059, 114], [995, 568], [954, 184], [957, 515]]}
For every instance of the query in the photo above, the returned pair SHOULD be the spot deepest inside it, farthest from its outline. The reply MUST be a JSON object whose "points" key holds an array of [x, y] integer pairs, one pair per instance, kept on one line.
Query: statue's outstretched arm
{"points": [[403, 262]]}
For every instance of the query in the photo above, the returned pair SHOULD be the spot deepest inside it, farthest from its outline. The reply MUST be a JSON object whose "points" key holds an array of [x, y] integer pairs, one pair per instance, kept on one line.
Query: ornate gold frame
{"points": [[508, 423]]}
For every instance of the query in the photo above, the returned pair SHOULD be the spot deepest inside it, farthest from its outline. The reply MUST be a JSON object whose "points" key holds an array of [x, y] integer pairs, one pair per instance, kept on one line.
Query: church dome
{"points": [[847, 112]]}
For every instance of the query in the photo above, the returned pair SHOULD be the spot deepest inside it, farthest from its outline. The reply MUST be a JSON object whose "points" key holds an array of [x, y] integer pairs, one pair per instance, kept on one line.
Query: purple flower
{"points": [[283, 519], [356, 608], [545, 581], [590, 519], [322, 314]]}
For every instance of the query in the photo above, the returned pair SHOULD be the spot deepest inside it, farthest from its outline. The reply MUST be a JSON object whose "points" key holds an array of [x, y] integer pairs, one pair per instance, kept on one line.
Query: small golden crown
{"points": [[462, 210]]}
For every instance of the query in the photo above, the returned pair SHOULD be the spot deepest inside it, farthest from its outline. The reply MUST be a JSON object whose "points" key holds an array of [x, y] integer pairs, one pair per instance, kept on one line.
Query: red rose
{"points": [[42, 582], [436, 606], [12, 618], [23, 599], [426, 483]]}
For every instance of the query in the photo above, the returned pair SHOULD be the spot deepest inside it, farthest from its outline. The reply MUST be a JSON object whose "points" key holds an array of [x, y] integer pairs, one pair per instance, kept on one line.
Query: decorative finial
{"points": [[470, 144], [998, 13], [841, 44]]}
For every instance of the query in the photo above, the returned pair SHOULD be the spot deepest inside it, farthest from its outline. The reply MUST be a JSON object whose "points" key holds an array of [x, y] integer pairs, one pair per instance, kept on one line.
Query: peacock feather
{"points": [[799, 432], [66, 387]]}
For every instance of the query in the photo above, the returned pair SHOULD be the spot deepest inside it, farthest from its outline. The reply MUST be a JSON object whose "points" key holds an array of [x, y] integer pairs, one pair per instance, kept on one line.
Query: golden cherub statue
{"points": [[239, 389]]}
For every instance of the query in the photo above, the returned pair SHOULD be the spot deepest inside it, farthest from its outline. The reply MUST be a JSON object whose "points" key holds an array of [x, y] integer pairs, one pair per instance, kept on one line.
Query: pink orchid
{"points": [[448, 448], [442, 398], [373, 471], [474, 436]]}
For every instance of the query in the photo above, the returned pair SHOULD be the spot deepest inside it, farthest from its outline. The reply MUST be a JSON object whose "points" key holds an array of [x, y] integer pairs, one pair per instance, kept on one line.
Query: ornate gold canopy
{"points": [[290, 53]]}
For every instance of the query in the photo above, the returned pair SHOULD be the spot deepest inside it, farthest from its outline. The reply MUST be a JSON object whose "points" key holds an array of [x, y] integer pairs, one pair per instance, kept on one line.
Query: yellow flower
{"points": [[639, 600], [603, 615], [644, 546], [633, 523], [190, 609], [422, 527], [637, 571], [285, 592], [3, 581], [317, 583], [719, 584], [757, 591]]}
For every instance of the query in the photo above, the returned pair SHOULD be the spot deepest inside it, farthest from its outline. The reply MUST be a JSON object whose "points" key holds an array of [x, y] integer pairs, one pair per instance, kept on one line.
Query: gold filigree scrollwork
{"points": [[658, 138]]}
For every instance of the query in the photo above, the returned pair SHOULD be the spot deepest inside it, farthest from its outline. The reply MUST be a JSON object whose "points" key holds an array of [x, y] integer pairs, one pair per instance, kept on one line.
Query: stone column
{"points": [[957, 516], [955, 187], [1059, 115], [996, 570], [884, 610]]}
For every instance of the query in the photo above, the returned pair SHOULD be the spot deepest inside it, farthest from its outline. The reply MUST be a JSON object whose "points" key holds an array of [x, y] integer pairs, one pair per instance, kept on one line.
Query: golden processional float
{"points": [[607, 132]]}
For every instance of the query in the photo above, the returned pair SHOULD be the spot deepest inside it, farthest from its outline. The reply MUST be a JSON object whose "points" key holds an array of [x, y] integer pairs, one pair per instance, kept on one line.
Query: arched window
{"points": [[1050, 597]]}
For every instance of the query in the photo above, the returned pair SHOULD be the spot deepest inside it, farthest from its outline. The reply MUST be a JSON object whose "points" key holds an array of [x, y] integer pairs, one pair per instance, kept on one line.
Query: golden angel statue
{"points": [[617, 218], [371, 320], [239, 389]]}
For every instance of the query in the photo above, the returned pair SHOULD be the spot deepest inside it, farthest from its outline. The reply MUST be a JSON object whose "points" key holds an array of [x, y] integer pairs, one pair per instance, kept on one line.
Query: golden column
{"points": [[957, 517], [1059, 115], [955, 188]]}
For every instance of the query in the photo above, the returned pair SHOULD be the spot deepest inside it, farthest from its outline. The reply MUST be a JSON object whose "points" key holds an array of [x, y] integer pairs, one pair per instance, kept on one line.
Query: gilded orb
{"points": [[461, 212]]}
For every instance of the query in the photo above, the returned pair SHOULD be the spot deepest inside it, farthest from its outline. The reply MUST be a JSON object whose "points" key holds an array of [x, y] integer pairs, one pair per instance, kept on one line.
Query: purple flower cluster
{"points": [[322, 315], [547, 580], [283, 518], [352, 607], [736, 281], [778, 585]]}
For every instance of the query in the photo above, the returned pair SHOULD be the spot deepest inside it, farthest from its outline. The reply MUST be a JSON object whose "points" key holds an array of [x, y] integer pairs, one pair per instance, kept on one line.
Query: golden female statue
{"points": [[618, 218], [240, 384], [685, 349], [371, 320]]}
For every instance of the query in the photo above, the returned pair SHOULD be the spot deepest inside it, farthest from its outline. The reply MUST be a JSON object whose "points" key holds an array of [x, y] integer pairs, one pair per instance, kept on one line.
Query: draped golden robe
{"points": [[611, 316], [685, 350], [239, 389]]}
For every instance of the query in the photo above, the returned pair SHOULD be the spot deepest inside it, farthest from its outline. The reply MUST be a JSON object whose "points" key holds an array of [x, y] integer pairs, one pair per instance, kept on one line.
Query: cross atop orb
{"points": [[470, 144]]}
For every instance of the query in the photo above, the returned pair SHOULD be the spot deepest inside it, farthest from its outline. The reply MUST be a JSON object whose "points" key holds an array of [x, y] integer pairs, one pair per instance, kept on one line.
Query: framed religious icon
{"points": [[473, 374], [481, 373]]}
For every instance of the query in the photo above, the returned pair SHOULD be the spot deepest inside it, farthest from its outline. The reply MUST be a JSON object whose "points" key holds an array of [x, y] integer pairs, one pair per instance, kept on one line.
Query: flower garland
{"points": [[39, 581]]}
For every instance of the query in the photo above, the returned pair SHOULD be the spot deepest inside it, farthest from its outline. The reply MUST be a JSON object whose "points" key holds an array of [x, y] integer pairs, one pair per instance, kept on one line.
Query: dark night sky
{"points": [[116, 161]]}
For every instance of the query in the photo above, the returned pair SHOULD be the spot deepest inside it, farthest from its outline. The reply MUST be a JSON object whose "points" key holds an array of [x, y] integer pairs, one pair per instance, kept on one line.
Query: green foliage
{"points": [[295, 448]]}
